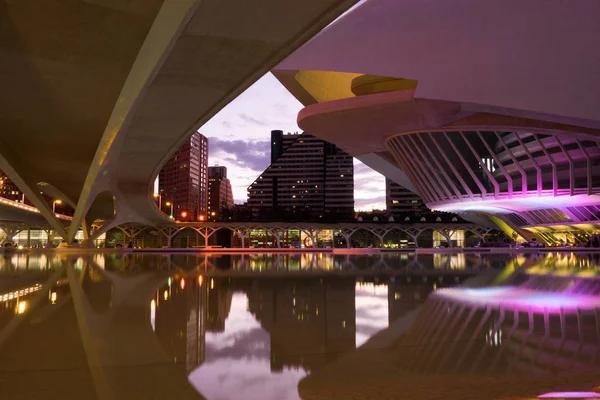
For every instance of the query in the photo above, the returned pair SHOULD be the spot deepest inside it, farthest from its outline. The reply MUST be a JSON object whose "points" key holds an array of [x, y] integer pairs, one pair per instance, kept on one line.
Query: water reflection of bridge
{"points": [[310, 264], [85, 334], [108, 305]]}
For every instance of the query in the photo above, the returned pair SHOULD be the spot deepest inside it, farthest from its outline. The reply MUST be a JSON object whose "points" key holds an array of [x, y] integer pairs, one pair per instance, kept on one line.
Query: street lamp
{"points": [[54, 203], [184, 214], [169, 204], [158, 195], [201, 217]]}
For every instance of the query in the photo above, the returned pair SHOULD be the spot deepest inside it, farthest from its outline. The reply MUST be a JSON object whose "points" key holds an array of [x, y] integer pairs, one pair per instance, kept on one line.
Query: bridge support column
{"points": [[414, 233], [206, 232], [447, 234], [170, 232], [129, 233], [242, 233], [277, 234], [347, 234], [10, 232]]}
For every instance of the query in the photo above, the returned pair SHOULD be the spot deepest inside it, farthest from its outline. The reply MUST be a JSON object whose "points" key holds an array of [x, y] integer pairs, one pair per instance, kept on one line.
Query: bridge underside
{"points": [[98, 95]]}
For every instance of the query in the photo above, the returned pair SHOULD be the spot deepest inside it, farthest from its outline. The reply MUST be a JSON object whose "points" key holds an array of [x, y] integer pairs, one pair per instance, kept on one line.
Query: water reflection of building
{"points": [[534, 319], [532, 327], [310, 321], [185, 309], [405, 297], [218, 304]]}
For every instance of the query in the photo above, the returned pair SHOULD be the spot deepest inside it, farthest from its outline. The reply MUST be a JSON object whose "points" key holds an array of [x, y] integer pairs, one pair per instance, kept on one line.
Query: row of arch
{"points": [[278, 233]]}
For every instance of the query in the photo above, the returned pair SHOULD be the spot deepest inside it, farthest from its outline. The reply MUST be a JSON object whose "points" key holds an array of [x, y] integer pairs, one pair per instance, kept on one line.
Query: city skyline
{"points": [[239, 140]]}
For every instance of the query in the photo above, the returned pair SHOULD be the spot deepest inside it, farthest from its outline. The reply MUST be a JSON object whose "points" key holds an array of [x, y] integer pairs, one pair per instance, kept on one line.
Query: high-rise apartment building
{"points": [[308, 179], [401, 201], [183, 181], [220, 195]]}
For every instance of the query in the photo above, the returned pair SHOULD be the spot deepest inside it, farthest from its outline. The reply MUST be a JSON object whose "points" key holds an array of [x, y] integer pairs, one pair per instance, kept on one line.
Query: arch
{"points": [[393, 232], [347, 233], [242, 232], [170, 231], [205, 231], [415, 232], [187, 231]]}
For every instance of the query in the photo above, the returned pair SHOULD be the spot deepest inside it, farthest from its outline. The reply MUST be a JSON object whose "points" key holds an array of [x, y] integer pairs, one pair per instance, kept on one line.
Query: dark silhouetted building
{"points": [[401, 201], [220, 195], [308, 179], [183, 181]]}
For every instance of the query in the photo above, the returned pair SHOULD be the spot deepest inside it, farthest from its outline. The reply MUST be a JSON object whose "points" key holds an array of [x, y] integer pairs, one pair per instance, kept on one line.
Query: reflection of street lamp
{"points": [[54, 203], [169, 204], [157, 195]]}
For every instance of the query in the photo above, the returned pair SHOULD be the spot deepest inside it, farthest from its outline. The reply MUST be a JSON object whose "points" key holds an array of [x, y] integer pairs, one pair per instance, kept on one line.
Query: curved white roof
{"points": [[536, 55]]}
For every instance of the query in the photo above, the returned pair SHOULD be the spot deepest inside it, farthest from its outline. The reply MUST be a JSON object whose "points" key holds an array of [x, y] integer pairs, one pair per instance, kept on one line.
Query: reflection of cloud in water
{"points": [[247, 379], [239, 323], [371, 310], [238, 362], [251, 344]]}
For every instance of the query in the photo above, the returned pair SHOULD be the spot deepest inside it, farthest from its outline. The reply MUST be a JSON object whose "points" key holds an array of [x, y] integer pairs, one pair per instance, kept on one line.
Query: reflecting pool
{"points": [[298, 326]]}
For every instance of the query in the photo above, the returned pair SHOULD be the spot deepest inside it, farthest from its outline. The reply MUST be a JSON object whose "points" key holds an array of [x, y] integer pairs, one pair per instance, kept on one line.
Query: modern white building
{"points": [[488, 109]]}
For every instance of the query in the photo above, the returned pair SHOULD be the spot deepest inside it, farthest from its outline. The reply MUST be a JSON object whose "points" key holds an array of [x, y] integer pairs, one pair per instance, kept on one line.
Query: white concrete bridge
{"points": [[97, 95]]}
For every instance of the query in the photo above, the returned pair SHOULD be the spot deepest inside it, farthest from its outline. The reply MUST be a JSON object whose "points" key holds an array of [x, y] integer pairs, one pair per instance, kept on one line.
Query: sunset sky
{"points": [[239, 139]]}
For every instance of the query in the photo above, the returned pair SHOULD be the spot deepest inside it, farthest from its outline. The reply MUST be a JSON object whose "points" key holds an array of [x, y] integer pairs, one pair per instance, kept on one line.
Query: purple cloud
{"points": [[251, 120], [251, 154]]}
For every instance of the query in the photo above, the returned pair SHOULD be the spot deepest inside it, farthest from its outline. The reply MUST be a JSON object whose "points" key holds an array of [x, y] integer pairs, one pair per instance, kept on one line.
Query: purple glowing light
{"points": [[521, 299], [570, 395]]}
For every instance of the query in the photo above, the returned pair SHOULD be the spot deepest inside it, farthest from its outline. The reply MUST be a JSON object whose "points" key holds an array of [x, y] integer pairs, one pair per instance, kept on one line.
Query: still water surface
{"points": [[299, 326]]}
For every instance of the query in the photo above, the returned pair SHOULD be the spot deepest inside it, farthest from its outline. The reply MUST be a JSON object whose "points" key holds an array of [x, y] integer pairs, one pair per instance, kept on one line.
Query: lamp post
{"points": [[54, 203], [159, 196], [169, 204]]}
